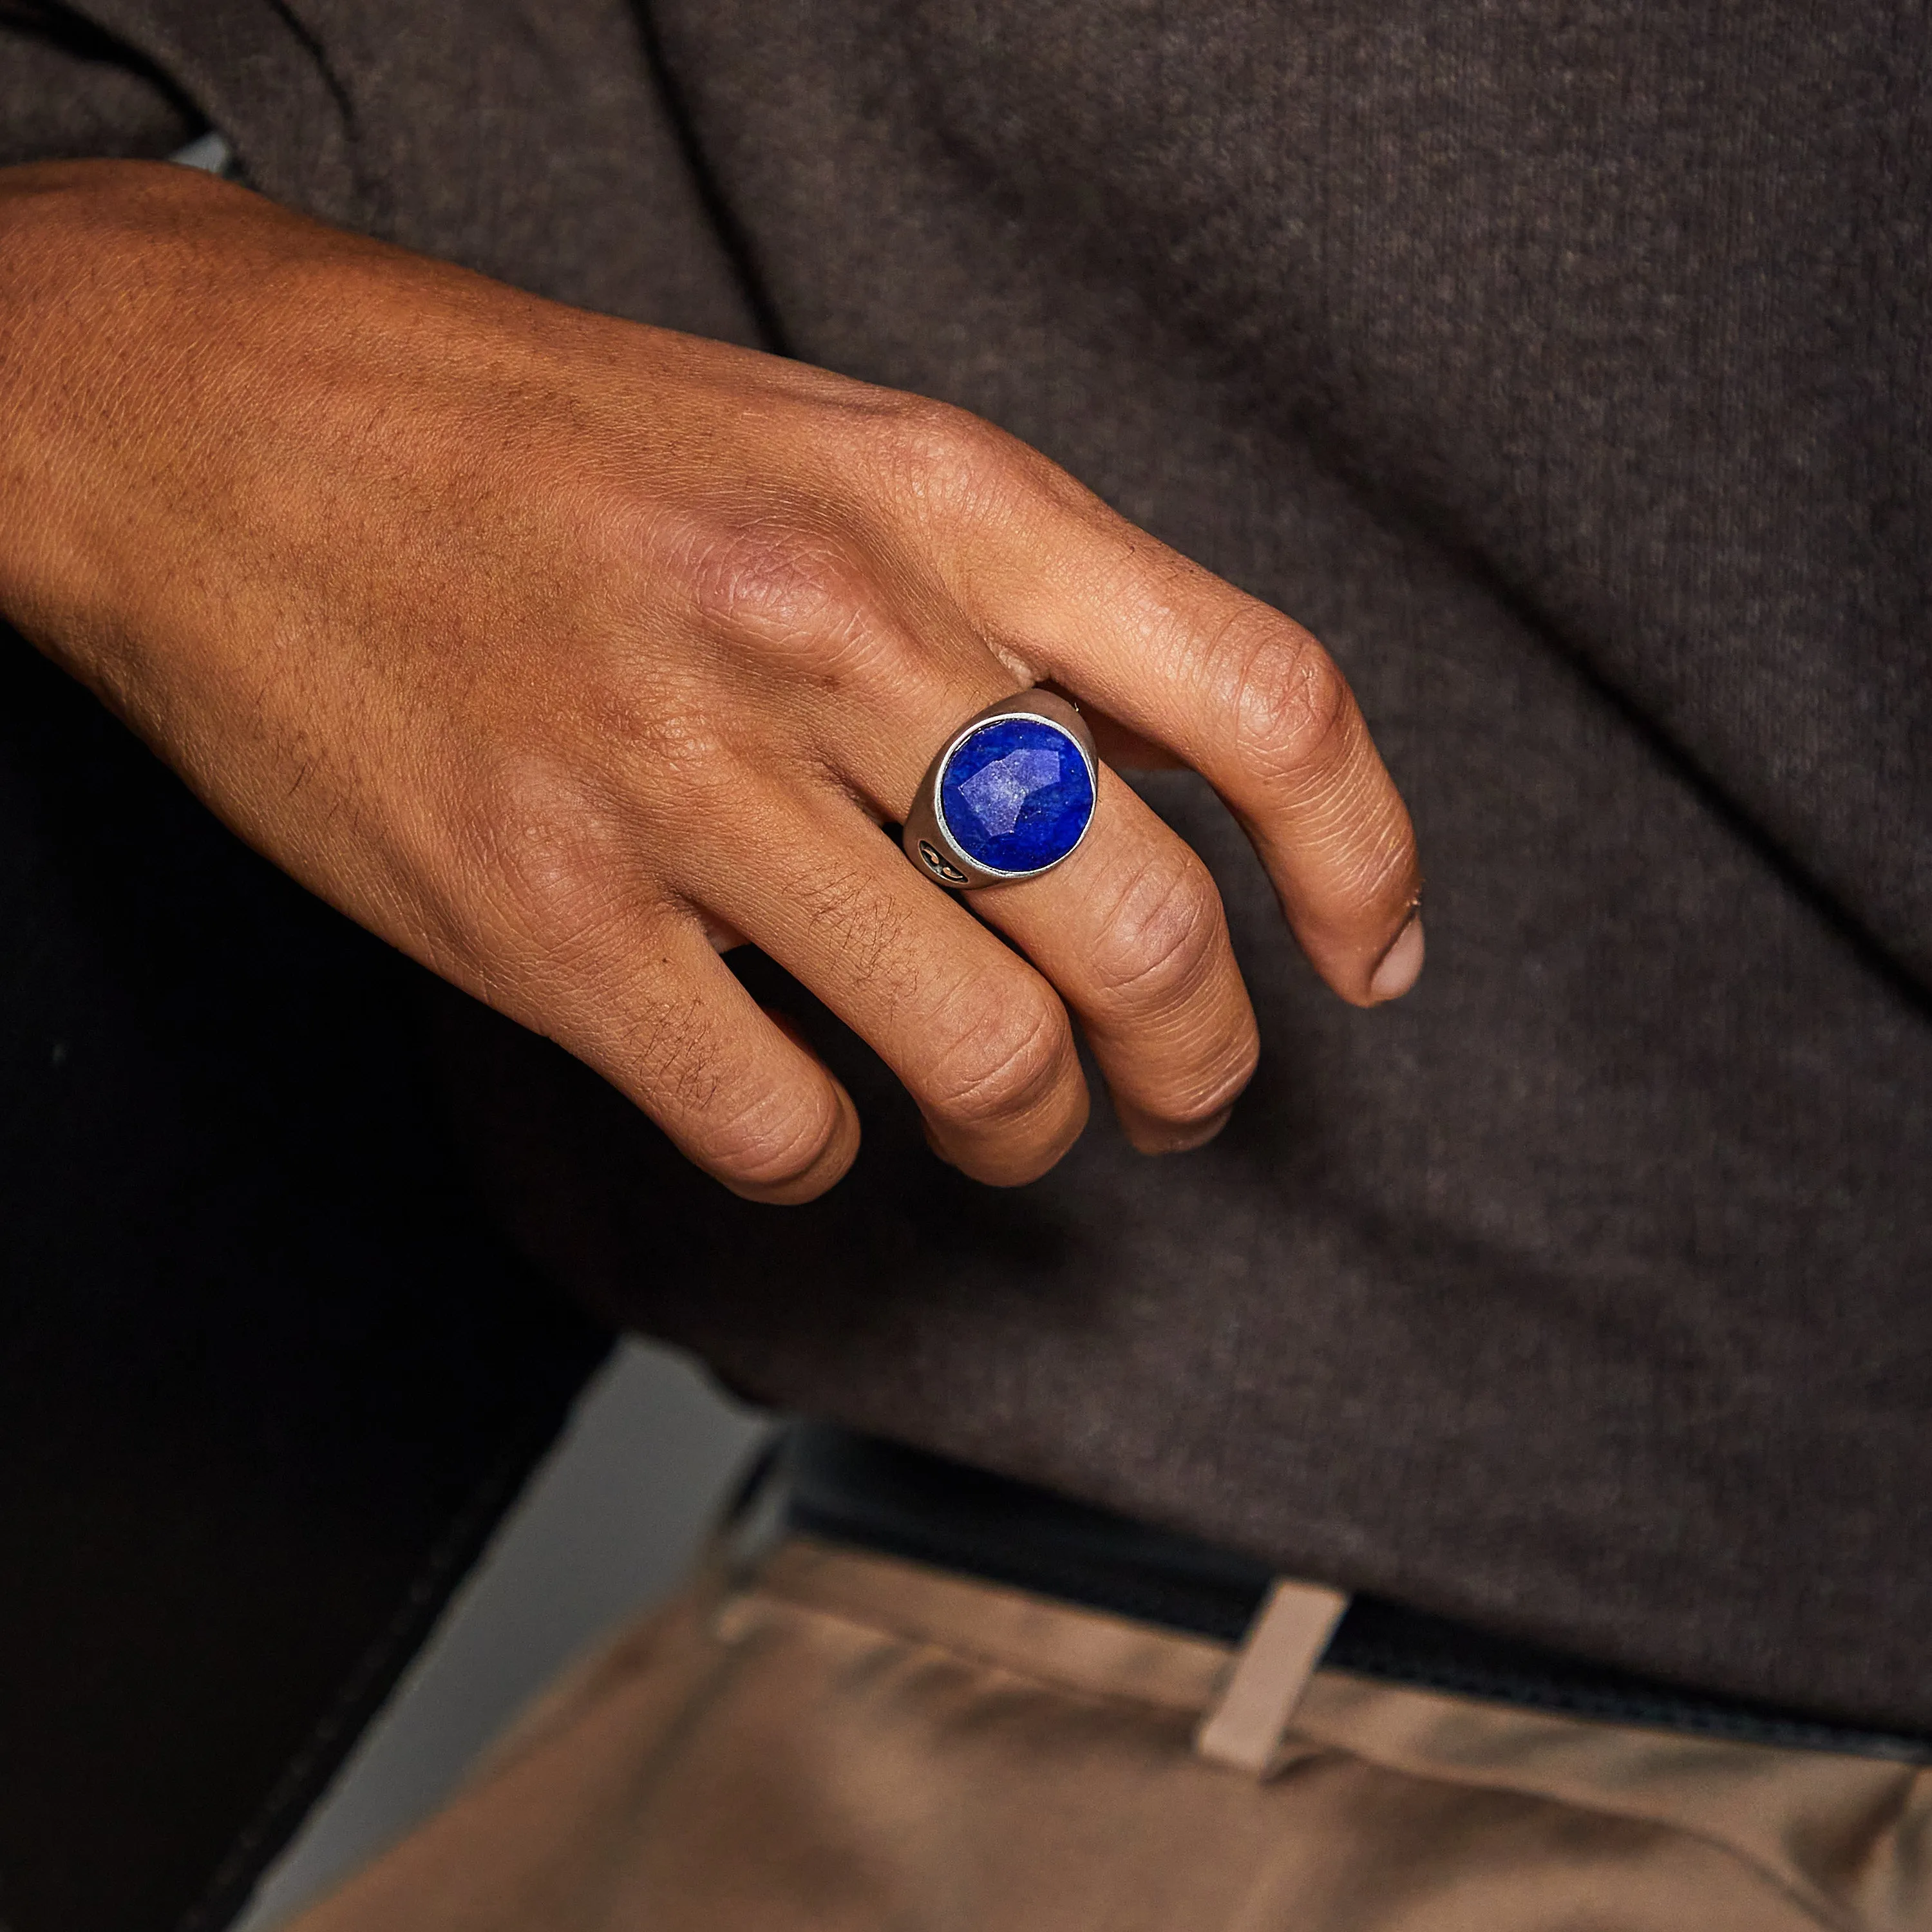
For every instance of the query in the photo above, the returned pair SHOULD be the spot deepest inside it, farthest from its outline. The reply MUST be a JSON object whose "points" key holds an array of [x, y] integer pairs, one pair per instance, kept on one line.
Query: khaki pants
{"points": [[846, 1743]]}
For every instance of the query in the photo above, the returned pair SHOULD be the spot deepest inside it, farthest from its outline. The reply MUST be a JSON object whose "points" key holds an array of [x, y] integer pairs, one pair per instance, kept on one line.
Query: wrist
{"points": [[92, 254]]}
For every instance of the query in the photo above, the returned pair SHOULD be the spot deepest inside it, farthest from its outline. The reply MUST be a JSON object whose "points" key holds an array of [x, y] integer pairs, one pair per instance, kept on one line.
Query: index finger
{"points": [[1247, 697]]}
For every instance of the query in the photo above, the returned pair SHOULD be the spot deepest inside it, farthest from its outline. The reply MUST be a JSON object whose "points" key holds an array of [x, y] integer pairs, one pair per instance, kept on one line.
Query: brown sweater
{"points": [[1563, 366]]}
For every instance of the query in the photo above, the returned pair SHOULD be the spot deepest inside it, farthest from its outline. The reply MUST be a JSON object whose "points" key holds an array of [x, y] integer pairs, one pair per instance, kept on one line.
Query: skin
{"points": [[563, 652]]}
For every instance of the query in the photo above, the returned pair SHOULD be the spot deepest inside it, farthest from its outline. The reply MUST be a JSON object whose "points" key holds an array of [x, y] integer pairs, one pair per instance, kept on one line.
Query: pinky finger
{"points": [[742, 1095]]}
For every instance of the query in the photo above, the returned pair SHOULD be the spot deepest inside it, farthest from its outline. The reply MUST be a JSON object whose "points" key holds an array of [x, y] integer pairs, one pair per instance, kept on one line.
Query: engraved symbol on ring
{"points": [[940, 869]]}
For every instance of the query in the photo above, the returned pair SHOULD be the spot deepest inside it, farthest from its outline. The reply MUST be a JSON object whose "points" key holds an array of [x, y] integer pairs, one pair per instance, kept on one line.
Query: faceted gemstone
{"points": [[1015, 796]]}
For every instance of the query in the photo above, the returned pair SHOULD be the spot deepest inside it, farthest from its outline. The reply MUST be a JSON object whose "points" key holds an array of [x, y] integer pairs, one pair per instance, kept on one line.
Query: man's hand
{"points": [[559, 652]]}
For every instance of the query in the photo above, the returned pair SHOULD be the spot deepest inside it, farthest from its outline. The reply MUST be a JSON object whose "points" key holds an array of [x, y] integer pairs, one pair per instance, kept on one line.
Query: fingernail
{"points": [[1401, 964]]}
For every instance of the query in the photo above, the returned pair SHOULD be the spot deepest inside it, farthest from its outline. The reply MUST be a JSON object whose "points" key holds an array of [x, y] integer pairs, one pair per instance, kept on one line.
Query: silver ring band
{"points": [[1009, 795]]}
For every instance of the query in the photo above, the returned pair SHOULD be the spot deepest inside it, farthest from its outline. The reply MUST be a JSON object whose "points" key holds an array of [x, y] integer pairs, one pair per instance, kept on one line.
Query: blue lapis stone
{"points": [[1016, 795]]}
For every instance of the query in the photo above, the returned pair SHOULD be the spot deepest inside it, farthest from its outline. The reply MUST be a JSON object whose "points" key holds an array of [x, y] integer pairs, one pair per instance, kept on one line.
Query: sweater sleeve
{"points": [[69, 92]]}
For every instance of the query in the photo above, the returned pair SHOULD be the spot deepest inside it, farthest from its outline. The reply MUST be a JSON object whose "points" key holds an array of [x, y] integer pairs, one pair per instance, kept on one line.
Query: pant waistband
{"points": [[840, 1486]]}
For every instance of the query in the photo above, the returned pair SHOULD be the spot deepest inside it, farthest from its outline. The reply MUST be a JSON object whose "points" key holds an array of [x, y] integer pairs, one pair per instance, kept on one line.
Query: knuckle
{"points": [[949, 465], [1165, 962], [773, 1139], [1293, 708], [1004, 1066], [1215, 1087], [1164, 935], [548, 849], [766, 572], [802, 594]]}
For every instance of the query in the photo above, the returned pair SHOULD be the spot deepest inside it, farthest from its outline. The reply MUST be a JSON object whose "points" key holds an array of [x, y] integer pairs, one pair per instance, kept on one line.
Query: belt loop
{"points": [[1243, 1727]]}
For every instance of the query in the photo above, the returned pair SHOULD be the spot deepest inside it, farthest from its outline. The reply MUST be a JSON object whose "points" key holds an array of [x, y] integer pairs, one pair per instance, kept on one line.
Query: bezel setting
{"points": [[930, 841]]}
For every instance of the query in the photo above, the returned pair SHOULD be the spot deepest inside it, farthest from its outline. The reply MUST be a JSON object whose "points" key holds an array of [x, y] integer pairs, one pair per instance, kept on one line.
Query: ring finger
{"points": [[1129, 929]]}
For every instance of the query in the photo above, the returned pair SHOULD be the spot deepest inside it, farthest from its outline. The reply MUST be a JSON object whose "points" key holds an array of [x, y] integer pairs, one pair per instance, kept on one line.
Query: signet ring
{"points": [[1009, 796]]}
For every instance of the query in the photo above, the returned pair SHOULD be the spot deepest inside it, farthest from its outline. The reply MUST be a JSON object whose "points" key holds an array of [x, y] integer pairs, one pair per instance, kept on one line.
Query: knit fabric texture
{"points": [[1563, 367]]}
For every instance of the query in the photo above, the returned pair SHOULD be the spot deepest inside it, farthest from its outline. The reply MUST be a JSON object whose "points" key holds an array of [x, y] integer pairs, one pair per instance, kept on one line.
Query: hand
{"points": [[559, 651]]}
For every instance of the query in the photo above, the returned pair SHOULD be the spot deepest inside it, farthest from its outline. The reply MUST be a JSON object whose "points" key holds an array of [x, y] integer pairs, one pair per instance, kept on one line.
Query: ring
{"points": [[1009, 796]]}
